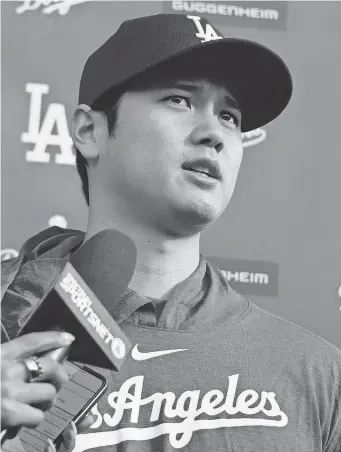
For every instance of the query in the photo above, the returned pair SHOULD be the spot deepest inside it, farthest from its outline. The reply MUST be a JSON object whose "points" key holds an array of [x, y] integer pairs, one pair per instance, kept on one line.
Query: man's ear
{"points": [[83, 131]]}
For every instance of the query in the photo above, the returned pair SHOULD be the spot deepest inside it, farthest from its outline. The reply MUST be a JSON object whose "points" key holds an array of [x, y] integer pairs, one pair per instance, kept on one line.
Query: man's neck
{"points": [[162, 266], [162, 263]]}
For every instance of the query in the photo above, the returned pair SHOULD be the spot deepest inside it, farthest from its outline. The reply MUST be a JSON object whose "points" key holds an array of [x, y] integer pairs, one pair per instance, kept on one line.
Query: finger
{"points": [[50, 447], [34, 343], [69, 438], [30, 393], [55, 374], [45, 406], [14, 413], [85, 423]]}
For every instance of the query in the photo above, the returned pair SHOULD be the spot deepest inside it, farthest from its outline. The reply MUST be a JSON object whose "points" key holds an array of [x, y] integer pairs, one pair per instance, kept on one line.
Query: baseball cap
{"points": [[261, 81]]}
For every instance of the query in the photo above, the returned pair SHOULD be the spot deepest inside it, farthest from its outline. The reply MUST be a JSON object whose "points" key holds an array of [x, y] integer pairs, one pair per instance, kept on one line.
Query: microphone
{"points": [[95, 278]]}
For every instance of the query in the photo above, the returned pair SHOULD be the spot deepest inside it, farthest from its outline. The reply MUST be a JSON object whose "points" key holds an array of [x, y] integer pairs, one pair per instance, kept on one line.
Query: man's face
{"points": [[175, 155]]}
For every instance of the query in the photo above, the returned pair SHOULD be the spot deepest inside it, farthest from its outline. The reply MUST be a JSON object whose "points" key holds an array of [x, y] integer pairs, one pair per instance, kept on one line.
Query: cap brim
{"points": [[256, 76], [259, 78]]}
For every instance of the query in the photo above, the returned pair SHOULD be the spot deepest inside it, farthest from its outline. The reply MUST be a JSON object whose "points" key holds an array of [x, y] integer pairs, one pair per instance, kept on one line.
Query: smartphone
{"points": [[74, 401]]}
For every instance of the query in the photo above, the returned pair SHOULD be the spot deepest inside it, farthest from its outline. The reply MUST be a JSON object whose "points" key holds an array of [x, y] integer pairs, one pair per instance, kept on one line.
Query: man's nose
{"points": [[208, 135]]}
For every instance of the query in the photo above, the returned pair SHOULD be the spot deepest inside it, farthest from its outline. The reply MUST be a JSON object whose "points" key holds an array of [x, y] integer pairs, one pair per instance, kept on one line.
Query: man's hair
{"points": [[108, 103]]}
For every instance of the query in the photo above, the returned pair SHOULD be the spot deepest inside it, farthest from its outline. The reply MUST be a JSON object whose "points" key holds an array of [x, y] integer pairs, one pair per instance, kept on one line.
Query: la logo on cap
{"points": [[205, 35]]}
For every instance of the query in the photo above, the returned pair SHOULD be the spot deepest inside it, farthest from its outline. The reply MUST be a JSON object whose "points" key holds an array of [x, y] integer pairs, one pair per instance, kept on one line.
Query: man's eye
{"points": [[230, 118], [179, 100]]}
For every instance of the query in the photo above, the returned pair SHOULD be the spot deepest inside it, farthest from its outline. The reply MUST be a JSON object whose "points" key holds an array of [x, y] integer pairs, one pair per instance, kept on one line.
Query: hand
{"points": [[69, 435], [23, 402]]}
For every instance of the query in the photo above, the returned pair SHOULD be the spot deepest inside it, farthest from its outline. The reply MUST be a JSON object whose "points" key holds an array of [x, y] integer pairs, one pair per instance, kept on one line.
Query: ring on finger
{"points": [[34, 367]]}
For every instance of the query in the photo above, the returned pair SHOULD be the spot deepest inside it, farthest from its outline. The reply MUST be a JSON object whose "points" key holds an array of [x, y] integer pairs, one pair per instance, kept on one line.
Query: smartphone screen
{"points": [[82, 387]]}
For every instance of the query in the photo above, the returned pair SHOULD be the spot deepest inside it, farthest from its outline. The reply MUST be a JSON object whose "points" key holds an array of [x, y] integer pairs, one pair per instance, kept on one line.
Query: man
{"points": [[157, 133]]}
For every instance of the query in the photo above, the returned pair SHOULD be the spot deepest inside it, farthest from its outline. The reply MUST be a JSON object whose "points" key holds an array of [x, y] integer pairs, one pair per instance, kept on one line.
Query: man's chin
{"points": [[187, 223], [197, 216]]}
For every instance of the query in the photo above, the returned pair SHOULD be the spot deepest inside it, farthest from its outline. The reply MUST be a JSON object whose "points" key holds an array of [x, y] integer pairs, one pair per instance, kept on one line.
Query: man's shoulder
{"points": [[284, 334], [298, 342]]}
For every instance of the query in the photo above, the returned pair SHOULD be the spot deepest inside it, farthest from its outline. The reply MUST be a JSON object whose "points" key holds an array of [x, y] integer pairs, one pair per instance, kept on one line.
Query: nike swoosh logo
{"points": [[141, 356]]}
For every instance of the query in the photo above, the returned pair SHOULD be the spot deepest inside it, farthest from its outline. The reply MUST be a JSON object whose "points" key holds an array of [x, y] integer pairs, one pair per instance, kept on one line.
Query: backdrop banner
{"points": [[279, 241]]}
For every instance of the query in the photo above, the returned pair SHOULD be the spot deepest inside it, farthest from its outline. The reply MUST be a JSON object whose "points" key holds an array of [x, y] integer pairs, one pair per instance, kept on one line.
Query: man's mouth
{"points": [[206, 167], [202, 171]]}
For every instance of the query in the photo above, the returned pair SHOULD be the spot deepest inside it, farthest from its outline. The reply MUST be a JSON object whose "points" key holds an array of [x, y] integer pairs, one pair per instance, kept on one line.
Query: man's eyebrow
{"points": [[231, 101], [193, 87], [185, 86]]}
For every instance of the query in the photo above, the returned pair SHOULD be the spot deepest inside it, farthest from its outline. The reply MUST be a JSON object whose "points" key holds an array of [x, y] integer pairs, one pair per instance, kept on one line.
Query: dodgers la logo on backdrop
{"points": [[209, 34], [49, 6], [40, 130]]}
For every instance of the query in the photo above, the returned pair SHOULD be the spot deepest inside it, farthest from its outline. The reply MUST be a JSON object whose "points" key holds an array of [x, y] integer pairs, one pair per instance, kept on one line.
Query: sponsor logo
{"points": [[143, 356], [249, 408], [48, 7], [249, 277], [83, 303], [209, 34], [40, 127], [263, 14], [8, 253]]}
